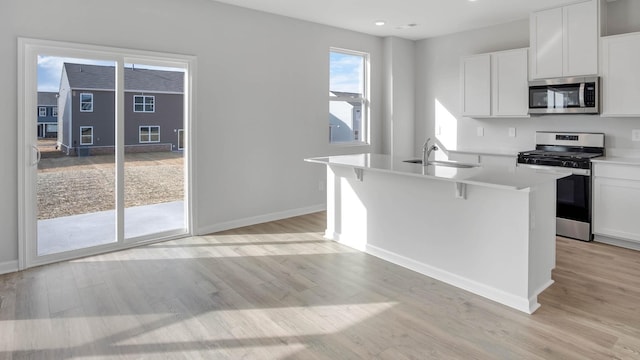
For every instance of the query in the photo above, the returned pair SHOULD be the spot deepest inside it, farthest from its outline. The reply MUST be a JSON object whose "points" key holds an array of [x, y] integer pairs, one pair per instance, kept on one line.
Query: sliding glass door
{"points": [[105, 161]]}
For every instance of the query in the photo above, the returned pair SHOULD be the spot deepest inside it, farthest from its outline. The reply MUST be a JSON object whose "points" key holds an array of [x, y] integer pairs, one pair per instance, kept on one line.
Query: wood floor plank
{"points": [[280, 291]]}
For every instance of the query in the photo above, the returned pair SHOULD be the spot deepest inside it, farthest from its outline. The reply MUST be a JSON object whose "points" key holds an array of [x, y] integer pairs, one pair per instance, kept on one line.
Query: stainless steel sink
{"points": [[443, 163]]}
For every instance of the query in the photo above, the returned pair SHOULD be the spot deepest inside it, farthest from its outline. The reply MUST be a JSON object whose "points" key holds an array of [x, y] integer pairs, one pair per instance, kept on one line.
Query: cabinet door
{"points": [[475, 75], [621, 75], [510, 83], [546, 43], [615, 208], [580, 39]]}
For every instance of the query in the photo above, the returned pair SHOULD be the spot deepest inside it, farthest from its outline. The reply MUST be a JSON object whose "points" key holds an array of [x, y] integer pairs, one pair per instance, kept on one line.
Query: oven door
{"points": [[573, 202], [573, 207]]}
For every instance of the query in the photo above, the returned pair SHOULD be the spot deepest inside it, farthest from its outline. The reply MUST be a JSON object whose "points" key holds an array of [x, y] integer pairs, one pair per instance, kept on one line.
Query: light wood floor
{"points": [[279, 291]]}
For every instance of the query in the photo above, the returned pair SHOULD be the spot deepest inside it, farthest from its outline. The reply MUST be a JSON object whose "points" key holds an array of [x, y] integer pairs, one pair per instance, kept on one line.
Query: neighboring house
{"points": [[345, 118], [153, 110], [47, 115]]}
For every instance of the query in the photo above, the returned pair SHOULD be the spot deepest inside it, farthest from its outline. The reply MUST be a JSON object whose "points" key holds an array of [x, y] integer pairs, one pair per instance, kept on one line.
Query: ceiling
{"points": [[410, 19]]}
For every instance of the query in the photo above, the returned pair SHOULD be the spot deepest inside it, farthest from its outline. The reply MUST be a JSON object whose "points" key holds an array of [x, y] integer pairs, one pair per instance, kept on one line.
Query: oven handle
{"points": [[584, 172]]}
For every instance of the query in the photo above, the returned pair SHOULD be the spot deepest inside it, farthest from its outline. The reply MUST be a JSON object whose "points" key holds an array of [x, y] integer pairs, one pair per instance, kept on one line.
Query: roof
{"points": [[47, 98], [82, 76]]}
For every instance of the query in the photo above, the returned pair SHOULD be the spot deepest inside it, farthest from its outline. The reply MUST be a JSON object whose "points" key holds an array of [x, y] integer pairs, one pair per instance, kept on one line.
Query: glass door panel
{"points": [[76, 173], [154, 169]]}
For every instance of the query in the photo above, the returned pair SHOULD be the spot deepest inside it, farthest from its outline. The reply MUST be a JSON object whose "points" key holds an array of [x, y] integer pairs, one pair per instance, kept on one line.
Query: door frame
{"points": [[28, 50]]}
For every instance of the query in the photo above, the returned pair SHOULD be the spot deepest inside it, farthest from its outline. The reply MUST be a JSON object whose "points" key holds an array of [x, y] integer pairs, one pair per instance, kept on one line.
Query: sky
{"points": [[50, 70], [346, 72]]}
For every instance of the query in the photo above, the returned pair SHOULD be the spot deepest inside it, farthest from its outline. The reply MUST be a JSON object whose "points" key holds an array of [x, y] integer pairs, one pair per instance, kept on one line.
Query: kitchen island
{"points": [[488, 230]]}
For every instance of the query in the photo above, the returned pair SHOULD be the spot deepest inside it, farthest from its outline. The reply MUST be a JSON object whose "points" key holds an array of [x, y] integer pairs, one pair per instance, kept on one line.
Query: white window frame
{"points": [[42, 109], [148, 127], [81, 102], [364, 136], [144, 103], [81, 135], [54, 111]]}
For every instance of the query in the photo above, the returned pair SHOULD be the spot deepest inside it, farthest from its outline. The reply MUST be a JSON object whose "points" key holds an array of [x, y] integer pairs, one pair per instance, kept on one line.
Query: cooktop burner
{"points": [[560, 154], [573, 150]]}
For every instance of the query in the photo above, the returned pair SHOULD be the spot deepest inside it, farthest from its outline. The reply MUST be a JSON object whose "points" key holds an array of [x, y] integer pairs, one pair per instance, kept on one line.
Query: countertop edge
{"points": [[325, 160]]}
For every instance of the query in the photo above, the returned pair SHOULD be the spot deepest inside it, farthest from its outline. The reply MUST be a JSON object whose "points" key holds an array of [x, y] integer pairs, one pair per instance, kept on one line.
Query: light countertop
{"points": [[503, 177], [617, 160]]}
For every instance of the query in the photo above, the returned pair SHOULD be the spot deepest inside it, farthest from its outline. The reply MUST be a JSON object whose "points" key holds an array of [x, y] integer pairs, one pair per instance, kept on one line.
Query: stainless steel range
{"points": [[572, 151]]}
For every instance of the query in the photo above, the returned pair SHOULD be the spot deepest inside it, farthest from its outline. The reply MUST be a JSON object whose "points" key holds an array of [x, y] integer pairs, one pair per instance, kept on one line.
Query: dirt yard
{"points": [[70, 185]]}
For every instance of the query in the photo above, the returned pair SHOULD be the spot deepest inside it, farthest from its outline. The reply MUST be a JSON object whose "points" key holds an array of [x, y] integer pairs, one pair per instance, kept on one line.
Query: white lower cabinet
{"points": [[616, 204]]}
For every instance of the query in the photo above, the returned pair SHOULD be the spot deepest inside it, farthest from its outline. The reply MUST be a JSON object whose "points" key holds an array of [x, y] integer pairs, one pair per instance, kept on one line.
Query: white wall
{"points": [[438, 79], [261, 96], [399, 96]]}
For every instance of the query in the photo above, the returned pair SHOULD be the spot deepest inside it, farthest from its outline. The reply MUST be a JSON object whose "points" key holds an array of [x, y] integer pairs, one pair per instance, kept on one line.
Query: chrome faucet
{"points": [[426, 151]]}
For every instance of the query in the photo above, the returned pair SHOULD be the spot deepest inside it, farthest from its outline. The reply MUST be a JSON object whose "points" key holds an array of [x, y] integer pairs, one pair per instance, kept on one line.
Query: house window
{"points": [[149, 134], [42, 111], [348, 96], [143, 103], [180, 139], [54, 111], [86, 102], [86, 135]]}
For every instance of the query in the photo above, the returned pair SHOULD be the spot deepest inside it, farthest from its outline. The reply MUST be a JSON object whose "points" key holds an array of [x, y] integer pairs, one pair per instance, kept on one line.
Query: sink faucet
{"points": [[426, 151]]}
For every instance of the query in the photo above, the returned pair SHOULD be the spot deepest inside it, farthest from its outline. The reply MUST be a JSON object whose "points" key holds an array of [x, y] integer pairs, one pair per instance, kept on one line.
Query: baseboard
{"points": [[260, 219], [8, 267], [516, 302], [617, 242], [330, 235]]}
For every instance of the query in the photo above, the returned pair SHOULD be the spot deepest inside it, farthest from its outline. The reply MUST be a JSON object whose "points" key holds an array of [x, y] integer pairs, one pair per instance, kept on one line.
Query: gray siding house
{"points": [[47, 115], [153, 110]]}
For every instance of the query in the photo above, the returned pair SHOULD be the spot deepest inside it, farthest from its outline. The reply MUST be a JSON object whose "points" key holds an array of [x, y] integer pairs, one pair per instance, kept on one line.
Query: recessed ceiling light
{"points": [[380, 23], [408, 26]]}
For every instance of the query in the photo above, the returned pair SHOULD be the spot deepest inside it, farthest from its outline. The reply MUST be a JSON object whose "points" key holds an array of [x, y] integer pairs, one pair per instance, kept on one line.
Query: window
{"points": [[142, 103], [42, 111], [54, 111], [180, 139], [86, 135], [86, 102], [348, 91], [149, 134]]}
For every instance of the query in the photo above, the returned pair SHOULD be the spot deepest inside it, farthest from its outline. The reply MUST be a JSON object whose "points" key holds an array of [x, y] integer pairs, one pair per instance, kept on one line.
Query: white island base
{"points": [[493, 240]]}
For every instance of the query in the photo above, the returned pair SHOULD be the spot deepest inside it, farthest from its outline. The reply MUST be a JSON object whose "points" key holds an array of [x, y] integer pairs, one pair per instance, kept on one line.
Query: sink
{"points": [[443, 163]]}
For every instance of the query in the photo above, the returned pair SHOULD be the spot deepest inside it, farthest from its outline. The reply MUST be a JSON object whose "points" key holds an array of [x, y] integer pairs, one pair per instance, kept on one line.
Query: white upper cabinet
{"points": [[620, 65], [494, 84], [564, 41], [509, 84], [546, 43], [475, 75]]}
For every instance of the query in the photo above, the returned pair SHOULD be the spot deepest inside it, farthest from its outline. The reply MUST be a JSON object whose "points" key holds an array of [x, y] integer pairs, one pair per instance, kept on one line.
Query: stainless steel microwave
{"points": [[578, 95]]}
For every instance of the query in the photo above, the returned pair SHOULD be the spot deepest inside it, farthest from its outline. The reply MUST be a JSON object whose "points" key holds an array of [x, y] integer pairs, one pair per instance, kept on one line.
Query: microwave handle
{"points": [[581, 94]]}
